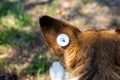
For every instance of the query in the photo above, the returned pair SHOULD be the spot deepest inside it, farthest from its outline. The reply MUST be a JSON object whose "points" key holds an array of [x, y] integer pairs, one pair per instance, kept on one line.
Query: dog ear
{"points": [[58, 35]]}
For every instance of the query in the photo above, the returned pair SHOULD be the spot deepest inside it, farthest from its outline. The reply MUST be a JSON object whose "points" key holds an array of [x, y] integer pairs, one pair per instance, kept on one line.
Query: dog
{"points": [[89, 55]]}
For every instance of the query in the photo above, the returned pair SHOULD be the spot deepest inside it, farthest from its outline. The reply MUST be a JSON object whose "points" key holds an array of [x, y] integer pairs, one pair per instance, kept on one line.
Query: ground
{"points": [[22, 49]]}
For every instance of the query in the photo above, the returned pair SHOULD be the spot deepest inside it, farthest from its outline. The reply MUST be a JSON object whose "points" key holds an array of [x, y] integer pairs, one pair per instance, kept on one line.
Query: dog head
{"points": [[88, 55]]}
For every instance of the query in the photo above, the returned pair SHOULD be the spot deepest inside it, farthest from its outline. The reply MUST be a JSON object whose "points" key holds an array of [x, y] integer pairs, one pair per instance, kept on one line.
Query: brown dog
{"points": [[90, 55]]}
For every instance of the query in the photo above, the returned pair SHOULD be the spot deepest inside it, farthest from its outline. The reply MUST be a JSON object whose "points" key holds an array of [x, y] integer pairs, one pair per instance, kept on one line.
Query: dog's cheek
{"points": [[58, 51]]}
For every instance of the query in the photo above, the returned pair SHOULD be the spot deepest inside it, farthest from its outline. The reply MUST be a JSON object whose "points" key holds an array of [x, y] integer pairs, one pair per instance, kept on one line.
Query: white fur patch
{"points": [[74, 79]]}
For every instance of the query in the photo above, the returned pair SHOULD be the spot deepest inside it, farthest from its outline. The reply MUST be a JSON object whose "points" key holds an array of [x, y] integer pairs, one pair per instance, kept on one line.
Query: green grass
{"points": [[15, 12], [53, 7], [13, 19], [15, 37], [85, 1], [39, 64], [13, 23], [100, 1], [115, 22], [3, 64]]}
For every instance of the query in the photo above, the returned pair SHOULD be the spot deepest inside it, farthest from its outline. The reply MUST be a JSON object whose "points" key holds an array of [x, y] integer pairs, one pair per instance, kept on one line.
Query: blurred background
{"points": [[22, 49]]}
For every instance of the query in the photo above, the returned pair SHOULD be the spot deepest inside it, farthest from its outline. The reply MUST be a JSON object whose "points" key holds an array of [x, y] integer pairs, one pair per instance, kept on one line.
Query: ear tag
{"points": [[63, 40]]}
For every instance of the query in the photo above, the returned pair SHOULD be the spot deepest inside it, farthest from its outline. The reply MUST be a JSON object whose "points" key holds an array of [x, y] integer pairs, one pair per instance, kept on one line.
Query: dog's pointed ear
{"points": [[51, 28]]}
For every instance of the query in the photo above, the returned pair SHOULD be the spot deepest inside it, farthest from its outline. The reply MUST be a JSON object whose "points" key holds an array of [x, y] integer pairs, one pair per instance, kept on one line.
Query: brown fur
{"points": [[90, 55]]}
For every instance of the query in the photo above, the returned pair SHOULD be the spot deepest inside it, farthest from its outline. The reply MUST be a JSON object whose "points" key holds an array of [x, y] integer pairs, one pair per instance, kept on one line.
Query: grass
{"points": [[12, 14], [3, 64], [14, 37], [115, 22], [13, 20], [39, 64], [84, 1], [100, 1], [13, 23], [53, 7]]}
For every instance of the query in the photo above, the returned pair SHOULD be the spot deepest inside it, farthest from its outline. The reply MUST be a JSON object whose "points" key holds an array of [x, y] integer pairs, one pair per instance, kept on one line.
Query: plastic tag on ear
{"points": [[63, 40]]}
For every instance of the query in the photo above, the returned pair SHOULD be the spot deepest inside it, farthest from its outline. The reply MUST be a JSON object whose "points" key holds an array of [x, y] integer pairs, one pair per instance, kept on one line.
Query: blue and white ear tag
{"points": [[63, 40]]}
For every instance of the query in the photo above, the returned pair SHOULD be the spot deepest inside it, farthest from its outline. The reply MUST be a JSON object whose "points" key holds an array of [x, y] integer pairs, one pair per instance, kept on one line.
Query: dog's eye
{"points": [[63, 40]]}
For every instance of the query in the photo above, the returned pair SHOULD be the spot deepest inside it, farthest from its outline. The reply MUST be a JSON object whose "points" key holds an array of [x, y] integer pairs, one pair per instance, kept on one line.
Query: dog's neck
{"points": [[105, 70], [95, 66]]}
